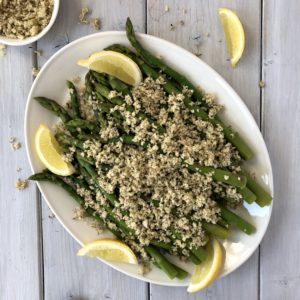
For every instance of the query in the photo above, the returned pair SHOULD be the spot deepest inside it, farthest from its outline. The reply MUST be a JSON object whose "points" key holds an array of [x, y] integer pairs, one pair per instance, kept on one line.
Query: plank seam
{"points": [[39, 209], [41, 243]]}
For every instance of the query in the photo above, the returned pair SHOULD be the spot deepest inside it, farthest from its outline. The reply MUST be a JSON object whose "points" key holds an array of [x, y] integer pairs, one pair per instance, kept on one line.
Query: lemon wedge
{"points": [[49, 152], [109, 249], [207, 271], [234, 34], [114, 63]]}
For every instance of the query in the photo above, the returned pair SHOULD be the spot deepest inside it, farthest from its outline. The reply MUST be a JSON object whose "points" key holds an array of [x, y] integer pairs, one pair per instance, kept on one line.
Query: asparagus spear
{"points": [[118, 85], [236, 220], [223, 223], [54, 107], [81, 123], [65, 139], [247, 194], [219, 175], [263, 197], [74, 99], [163, 263], [216, 230], [158, 63]]}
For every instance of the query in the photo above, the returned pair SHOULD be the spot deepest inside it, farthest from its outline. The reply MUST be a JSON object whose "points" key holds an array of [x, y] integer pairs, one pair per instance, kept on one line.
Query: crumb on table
{"points": [[34, 71], [21, 184]]}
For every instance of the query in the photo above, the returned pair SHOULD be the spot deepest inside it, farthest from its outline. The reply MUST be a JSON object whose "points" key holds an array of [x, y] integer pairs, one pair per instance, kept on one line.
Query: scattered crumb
{"points": [[83, 15], [207, 34], [143, 269], [14, 144], [262, 84], [19, 169], [181, 22], [79, 213], [172, 27], [83, 19], [227, 59], [220, 41], [226, 177], [38, 52], [184, 11], [159, 56], [167, 8], [95, 23], [2, 50], [34, 71], [21, 184]]}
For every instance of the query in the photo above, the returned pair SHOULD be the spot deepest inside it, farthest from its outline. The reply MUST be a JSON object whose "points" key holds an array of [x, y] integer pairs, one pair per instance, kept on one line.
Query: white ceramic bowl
{"points": [[50, 82], [29, 40]]}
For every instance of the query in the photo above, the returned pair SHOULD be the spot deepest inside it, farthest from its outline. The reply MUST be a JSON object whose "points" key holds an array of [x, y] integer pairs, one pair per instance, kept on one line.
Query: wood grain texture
{"points": [[280, 262], [67, 276], [19, 217], [201, 33]]}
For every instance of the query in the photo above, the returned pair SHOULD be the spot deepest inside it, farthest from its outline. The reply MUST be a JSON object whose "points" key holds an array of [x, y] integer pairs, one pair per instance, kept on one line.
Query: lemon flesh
{"points": [[109, 249], [207, 271], [114, 63], [49, 152], [234, 34]]}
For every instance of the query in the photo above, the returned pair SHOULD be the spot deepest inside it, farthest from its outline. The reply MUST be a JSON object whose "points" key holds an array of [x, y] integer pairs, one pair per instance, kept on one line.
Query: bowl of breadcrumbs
{"points": [[23, 22]]}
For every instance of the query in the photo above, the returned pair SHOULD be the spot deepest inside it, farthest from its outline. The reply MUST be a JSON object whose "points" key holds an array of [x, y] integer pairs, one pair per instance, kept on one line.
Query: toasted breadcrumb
{"points": [[141, 176], [22, 19], [2, 50], [34, 71], [144, 268], [95, 23], [38, 52], [14, 144], [83, 15], [262, 84], [21, 184], [79, 213]]}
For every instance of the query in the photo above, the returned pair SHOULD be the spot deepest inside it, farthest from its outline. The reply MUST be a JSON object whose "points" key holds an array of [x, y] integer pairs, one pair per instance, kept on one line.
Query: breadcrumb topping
{"points": [[162, 199]]}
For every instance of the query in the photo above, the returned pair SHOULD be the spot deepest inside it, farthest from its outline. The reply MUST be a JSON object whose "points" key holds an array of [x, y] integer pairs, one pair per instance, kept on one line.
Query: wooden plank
{"points": [[66, 275], [280, 263], [19, 216], [196, 27]]}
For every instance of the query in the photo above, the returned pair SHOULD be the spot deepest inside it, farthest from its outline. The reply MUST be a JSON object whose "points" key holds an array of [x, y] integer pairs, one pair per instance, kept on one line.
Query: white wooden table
{"points": [[37, 256]]}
